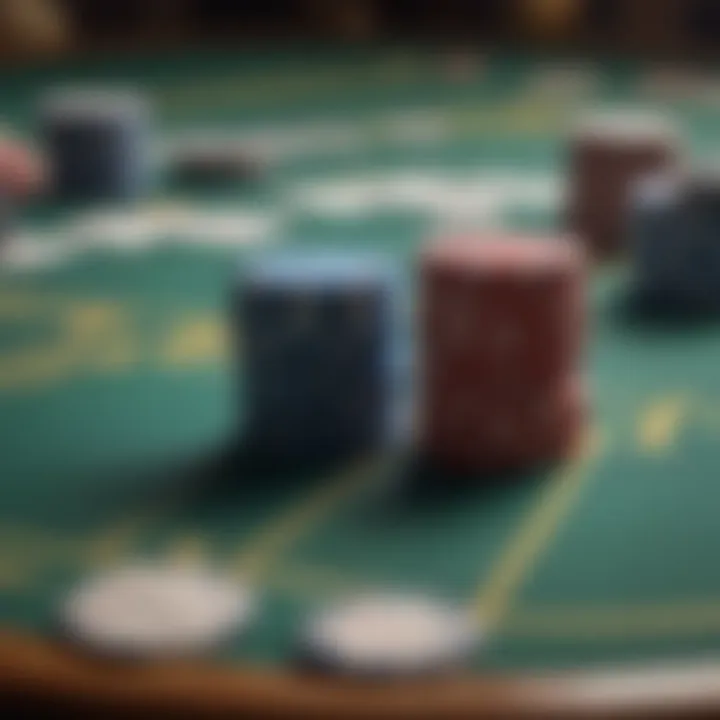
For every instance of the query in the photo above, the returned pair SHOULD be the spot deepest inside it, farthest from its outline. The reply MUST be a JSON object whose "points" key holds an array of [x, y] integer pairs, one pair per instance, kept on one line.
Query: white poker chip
{"points": [[121, 230], [224, 228], [459, 202], [625, 127], [24, 252], [151, 611], [340, 198], [391, 635]]}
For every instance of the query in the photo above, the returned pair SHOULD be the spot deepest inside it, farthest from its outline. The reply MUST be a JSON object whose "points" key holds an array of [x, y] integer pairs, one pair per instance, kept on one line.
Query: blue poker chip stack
{"points": [[655, 232], [319, 353], [675, 240], [97, 144]]}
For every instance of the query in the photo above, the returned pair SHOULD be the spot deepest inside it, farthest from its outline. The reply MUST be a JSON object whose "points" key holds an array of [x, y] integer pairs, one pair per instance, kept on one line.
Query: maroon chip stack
{"points": [[502, 326], [608, 153]]}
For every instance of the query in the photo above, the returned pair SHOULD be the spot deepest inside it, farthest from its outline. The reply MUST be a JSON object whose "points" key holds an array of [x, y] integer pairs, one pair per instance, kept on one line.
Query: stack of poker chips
{"points": [[318, 353], [21, 176], [210, 160], [674, 230], [608, 153], [97, 144], [502, 332]]}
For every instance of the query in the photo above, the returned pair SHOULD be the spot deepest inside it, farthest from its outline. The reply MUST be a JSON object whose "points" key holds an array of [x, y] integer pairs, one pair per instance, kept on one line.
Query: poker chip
{"points": [[673, 231], [21, 170], [391, 635], [620, 126], [212, 159], [343, 198], [318, 351], [23, 252], [502, 330], [97, 143], [608, 153], [459, 205], [122, 230], [223, 228], [150, 611]]}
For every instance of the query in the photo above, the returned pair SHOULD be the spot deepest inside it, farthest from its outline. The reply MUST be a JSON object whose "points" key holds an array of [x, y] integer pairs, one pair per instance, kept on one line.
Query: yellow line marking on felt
{"points": [[196, 341], [291, 524], [89, 333], [615, 622], [659, 425], [496, 595]]}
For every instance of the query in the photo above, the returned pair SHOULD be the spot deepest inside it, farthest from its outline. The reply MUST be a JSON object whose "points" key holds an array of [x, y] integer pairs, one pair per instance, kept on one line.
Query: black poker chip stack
{"points": [[97, 144]]}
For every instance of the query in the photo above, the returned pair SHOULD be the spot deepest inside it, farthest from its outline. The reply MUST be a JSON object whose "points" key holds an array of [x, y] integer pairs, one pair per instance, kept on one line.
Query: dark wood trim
{"points": [[47, 676]]}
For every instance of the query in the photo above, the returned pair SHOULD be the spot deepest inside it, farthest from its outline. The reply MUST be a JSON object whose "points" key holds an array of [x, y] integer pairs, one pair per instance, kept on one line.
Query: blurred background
{"points": [[32, 28]]}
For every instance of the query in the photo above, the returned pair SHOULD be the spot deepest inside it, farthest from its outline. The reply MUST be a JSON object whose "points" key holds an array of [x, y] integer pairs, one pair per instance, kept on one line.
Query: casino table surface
{"points": [[121, 409]]}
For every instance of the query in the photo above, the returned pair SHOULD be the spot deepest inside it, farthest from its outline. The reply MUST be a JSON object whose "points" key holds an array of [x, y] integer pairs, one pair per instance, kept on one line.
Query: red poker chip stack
{"points": [[502, 325], [21, 171], [608, 154]]}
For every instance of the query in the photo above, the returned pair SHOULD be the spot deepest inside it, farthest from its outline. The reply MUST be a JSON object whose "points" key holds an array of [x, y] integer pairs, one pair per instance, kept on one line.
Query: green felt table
{"points": [[119, 399]]}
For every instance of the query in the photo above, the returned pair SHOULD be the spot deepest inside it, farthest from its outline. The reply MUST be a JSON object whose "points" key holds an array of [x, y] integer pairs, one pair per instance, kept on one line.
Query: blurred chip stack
{"points": [[502, 322], [97, 144], [675, 228], [608, 153], [318, 353]]}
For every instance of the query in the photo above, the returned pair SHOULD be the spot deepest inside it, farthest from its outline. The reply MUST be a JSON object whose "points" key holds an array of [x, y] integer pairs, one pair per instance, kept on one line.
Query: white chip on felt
{"points": [[458, 205], [224, 228], [625, 126], [313, 138], [124, 230], [532, 191], [23, 252], [339, 198], [166, 218], [410, 189], [416, 127], [147, 611], [392, 634]]}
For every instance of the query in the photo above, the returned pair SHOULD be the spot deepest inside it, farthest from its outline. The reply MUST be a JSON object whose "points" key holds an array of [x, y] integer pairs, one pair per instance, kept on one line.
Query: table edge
{"points": [[40, 671]]}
